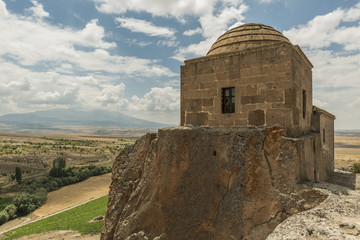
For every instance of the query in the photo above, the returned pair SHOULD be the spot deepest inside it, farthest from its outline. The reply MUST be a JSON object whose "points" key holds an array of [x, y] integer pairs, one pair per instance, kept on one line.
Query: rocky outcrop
{"points": [[205, 183], [337, 218]]}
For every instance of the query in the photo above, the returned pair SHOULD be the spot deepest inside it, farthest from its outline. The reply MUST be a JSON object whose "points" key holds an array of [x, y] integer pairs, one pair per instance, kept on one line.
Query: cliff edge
{"points": [[205, 183]]}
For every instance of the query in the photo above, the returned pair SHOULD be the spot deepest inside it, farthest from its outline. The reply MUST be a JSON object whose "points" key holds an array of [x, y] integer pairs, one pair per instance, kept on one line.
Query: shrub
{"points": [[18, 174], [356, 168], [11, 210], [25, 203], [28, 202], [4, 217]]}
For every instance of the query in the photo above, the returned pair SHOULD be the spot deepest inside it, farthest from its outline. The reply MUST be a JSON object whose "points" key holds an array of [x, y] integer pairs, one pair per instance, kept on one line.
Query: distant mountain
{"points": [[49, 118]]}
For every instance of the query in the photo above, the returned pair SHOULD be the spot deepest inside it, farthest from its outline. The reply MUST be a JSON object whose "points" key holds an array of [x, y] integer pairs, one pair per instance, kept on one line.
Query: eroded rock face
{"points": [[205, 183]]}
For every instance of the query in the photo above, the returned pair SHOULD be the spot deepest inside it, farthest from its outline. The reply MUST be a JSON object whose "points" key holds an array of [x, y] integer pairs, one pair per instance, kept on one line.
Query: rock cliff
{"points": [[205, 183]]}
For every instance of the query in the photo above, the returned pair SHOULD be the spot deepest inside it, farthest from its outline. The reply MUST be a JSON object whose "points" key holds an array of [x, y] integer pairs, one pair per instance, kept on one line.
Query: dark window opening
{"points": [[314, 146], [323, 135], [228, 100], [304, 103]]}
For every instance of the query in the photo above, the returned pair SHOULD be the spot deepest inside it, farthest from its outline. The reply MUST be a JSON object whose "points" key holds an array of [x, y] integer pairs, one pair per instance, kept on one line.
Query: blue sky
{"points": [[125, 55]]}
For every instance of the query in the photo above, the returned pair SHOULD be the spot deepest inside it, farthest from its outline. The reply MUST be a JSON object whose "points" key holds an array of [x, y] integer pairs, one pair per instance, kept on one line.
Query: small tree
{"points": [[58, 168], [59, 162], [18, 174]]}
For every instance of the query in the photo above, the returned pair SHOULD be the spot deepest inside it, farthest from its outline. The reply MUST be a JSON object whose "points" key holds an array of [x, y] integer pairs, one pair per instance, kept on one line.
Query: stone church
{"points": [[253, 76]]}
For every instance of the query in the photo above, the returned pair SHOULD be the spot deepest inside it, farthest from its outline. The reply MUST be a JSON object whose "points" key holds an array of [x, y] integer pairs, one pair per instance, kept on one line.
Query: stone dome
{"points": [[246, 36]]}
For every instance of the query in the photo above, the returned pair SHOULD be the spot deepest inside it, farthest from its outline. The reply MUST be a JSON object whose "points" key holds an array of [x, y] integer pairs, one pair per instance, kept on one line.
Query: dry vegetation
{"points": [[34, 153]]}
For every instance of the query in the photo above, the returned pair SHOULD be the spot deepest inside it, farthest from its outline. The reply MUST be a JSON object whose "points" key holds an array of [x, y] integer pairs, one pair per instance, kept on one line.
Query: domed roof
{"points": [[246, 36]]}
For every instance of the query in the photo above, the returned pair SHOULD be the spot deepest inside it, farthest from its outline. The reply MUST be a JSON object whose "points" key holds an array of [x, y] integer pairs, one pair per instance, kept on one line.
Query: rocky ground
{"points": [[337, 218]]}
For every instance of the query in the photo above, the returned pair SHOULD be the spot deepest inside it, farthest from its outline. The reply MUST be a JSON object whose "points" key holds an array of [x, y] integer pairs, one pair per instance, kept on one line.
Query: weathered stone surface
{"points": [[205, 183], [197, 119], [256, 118], [252, 99], [337, 218]]}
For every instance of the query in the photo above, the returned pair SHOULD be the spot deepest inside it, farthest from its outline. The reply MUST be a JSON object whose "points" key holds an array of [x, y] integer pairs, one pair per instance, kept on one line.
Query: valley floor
{"points": [[65, 198]]}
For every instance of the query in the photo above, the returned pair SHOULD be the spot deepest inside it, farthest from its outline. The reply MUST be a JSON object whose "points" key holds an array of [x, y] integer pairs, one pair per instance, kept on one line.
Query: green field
{"points": [[76, 219]]}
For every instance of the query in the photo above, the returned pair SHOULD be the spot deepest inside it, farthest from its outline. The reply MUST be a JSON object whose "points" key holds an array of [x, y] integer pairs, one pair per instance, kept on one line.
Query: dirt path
{"points": [[61, 235], [65, 198]]}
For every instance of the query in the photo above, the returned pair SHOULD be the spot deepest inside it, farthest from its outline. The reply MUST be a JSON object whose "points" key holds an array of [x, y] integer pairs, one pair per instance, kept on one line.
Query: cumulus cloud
{"points": [[92, 35], [324, 30], [142, 26], [113, 95], [176, 8], [212, 26], [353, 13], [197, 49], [37, 10], [158, 99], [214, 16], [46, 66], [192, 32], [30, 42]]}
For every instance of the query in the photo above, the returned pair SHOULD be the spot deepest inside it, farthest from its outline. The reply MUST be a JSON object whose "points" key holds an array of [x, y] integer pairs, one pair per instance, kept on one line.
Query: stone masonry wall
{"points": [[268, 88], [302, 79], [323, 124]]}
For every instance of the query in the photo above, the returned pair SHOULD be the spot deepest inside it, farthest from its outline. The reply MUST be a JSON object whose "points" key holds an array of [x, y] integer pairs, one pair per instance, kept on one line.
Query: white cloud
{"points": [[215, 17], [319, 103], [137, 42], [266, 1], [30, 42], [324, 30], [212, 26], [176, 8], [168, 43], [197, 49], [142, 26], [20, 85], [318, 32], [113, 96], [46, 66], [3, 10], [37, 10], [158, 99], [27, 89], [192, 32], [92, 35], [353, 13]]}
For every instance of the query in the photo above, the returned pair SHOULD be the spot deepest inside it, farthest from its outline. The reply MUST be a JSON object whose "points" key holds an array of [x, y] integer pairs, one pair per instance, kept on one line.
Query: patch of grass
{"points": [[4, 201], [76, 219]]}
